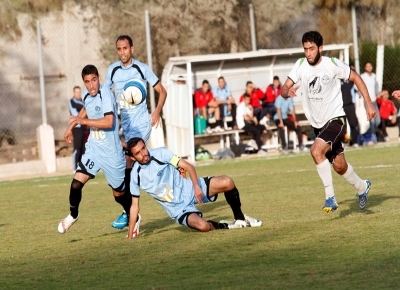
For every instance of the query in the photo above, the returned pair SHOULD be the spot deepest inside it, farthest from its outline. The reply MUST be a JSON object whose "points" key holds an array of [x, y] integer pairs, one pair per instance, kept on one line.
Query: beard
{"points": [[316, 59]]}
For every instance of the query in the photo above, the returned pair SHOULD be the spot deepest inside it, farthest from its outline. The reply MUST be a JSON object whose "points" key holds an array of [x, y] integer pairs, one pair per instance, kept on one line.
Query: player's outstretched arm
{"points": [[362, 88], [198, 194], [106, 122], [396, 94], [133, 215], [288, 90], [72, 124], [155, 116]]}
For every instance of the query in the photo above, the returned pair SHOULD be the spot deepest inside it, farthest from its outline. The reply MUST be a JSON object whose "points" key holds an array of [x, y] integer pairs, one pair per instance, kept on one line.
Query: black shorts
{"points": [[333, 133]]}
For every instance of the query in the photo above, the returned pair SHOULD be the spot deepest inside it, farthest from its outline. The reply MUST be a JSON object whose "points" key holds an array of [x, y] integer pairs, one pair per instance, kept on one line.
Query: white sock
{"points": [[352, 178], [325, 173]]}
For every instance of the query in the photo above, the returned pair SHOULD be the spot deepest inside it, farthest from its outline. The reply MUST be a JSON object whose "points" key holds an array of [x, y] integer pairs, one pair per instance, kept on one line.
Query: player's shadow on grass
{"points": [[373, 200], [3, 225]]}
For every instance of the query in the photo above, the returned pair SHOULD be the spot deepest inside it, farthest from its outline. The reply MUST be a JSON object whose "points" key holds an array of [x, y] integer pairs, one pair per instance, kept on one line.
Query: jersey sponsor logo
{"points": [[314, 86], [97, 108], [164, 192], [98, 134]]}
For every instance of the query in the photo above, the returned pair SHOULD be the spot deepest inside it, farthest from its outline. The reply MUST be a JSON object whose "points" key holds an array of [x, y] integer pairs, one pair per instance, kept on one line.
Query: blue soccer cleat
{"points": [[330, 205], [363, 198], [121, 221]]}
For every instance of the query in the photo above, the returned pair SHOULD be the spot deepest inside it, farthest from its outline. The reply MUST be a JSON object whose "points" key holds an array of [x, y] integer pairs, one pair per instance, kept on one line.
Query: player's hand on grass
{"points": [[198, 194], [155, 119]]}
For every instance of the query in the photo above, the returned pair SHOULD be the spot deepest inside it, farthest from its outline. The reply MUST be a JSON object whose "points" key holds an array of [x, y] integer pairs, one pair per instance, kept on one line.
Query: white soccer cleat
{"points": [[238, 224], [252, 221], [66, 223]]}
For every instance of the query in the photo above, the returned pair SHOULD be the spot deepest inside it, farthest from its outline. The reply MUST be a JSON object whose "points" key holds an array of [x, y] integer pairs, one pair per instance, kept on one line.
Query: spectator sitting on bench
{"points": [[256, 95], [246, 121], [271, 93], [388, 113], [286, 116], [226, 102], [208, 107]]}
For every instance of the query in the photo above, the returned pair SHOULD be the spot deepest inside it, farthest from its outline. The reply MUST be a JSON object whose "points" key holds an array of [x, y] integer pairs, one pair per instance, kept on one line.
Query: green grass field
{"points": [[298, 246]]}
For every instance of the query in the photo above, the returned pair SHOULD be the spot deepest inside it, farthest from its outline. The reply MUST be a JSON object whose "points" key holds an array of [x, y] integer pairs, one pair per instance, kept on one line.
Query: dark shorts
{"points": [[333, 133]]}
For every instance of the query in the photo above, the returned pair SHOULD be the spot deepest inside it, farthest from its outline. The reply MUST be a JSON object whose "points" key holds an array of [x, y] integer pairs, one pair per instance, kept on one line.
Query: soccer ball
{"points": [[134, 92]]}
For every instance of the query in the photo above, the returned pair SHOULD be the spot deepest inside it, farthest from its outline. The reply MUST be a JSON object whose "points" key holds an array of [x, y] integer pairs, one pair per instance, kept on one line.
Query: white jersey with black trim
{"points": [[320, 86]]}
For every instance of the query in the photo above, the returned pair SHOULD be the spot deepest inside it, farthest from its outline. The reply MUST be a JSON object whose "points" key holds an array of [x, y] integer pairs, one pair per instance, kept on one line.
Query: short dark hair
{"points": [[76, 87], [249, 83], [221, 78], [125, 37], [313, 37], [246, 95], [276, 78], [133, 142], [205, 82], [89, 70]]}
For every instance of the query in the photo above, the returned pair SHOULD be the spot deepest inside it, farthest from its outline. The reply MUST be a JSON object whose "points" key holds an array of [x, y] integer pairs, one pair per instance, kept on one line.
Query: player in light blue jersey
{"points": [[155, 171], [135, 119], [103, 148]]}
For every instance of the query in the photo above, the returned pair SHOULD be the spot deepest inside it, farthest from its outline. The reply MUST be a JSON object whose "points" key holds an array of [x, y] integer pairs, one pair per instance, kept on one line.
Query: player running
{"points": [[136, 120], [156, 172], [103, 148], [320, 77]]}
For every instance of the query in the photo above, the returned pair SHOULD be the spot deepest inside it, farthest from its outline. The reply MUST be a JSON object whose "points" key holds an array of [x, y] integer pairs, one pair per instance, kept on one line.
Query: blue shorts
{"points": [[190, 208], [140, 128], [112, 166]]}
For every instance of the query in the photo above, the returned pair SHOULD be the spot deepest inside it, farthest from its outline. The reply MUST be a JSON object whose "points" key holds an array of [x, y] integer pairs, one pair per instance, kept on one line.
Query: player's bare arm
{"points": [[198, 194], [288, 90], [155, 116], [133, 215], [396, 94], [357, 80], [279, 113], [68, 131], [106, 122]]}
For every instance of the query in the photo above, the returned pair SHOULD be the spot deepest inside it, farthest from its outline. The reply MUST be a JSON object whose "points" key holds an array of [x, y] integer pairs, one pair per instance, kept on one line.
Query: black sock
{"points": [[127, 179], [233, 199], [125, 200], [219, 226], [75, 196]]}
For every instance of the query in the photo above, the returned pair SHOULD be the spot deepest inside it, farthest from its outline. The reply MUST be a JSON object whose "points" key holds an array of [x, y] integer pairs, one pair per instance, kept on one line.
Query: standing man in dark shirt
{"points": [[348, 95], [78, 133]]}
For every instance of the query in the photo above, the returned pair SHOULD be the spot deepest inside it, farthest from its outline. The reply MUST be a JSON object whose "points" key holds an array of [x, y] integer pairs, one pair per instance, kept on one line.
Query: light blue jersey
{"points": [[162, 181], [103, 148], [285, 104], [222, 95], [135, 119]]}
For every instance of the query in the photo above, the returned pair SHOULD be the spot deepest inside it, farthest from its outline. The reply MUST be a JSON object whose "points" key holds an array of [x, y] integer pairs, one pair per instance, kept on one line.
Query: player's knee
{"points": [[204, 227], [76, 184], [226, 182]]}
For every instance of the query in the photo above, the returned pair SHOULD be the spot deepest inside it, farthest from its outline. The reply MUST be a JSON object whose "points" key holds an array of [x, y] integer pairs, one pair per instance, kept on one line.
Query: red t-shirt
{"points": [[202, 99], [272, 93], [255, 97], [386, 108]]}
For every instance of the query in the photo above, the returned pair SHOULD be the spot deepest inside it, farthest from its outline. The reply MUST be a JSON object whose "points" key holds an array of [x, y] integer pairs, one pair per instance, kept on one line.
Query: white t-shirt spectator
{"points": [[241, 111], [372, 85]]}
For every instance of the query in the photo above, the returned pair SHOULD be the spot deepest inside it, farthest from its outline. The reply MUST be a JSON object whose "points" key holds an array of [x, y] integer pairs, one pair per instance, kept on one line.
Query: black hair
{"points": [[313, 37], [221, 78], [125, 37], [276, 78], [133, 142], [89, 70], [76, 87], [249, 83], [246, 95], [205, 82]]}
